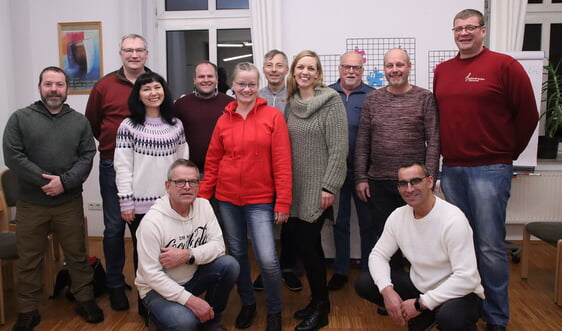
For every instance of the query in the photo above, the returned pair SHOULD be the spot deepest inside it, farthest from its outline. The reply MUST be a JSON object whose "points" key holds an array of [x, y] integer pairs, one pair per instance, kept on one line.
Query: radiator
{"points": [[535, 198]]}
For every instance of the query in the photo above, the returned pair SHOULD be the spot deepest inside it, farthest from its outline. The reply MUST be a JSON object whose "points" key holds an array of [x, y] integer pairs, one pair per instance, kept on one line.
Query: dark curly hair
{"points": [[136, 107]]}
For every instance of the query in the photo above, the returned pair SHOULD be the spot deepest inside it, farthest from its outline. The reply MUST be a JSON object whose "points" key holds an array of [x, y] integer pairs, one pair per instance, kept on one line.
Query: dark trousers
{"points": [[308, 243], [455, 314]]}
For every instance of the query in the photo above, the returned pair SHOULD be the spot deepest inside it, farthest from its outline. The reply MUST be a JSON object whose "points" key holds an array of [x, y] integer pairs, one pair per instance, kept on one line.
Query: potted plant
{"points": [[548, 144]]}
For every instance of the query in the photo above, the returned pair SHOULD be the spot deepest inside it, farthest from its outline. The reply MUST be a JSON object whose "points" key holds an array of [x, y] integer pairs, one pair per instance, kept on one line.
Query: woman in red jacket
{"points": [[248, 170]]}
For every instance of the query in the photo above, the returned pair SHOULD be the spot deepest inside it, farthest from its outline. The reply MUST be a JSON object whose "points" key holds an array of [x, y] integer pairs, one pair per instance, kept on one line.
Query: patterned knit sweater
{"points": [[143, 154], [318, 132]]}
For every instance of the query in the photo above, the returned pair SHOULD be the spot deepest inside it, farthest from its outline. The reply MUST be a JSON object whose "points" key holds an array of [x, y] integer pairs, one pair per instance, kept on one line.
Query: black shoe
{"points": [[258, 284], [337, 282], [89, 311], [495, 327], [245, 317], [274, 322], [118, 299], [293, 282], [303, 313], [27, 321], [422, 322], [317, 319], [382, 311]]}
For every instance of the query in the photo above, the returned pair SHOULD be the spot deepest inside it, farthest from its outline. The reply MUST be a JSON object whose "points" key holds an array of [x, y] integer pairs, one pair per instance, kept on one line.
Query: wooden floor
{"points": [[532, 306]]}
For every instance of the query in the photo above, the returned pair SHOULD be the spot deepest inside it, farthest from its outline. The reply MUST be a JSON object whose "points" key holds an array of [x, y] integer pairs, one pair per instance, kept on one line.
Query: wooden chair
{"points": [[8, 254], [550, 232], [52, 261]]}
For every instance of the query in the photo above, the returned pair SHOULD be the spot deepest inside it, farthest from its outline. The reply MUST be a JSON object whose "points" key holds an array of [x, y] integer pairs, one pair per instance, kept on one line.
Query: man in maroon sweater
{"points": [[487, 116], [200, 110], [106, 109]]}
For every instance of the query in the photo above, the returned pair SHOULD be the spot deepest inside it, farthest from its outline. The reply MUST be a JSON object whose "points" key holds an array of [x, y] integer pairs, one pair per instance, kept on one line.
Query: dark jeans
{"points": [[308, 243], [455, 314]]}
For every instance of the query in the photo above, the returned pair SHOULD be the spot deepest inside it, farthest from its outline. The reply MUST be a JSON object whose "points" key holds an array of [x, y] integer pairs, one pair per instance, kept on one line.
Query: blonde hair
{"points": [[292, 86]]}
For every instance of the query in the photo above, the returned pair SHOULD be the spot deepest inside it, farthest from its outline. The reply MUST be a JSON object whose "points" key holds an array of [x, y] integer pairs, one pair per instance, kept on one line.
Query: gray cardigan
{"points": [[319, 143]]}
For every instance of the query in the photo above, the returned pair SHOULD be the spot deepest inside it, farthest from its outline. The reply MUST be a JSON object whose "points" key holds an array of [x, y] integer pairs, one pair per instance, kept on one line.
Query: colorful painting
{"points": [[80, 54]]}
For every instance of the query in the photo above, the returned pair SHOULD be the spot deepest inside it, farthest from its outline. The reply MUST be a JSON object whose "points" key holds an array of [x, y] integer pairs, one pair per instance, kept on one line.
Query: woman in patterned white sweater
{"points": [[148, 141]]}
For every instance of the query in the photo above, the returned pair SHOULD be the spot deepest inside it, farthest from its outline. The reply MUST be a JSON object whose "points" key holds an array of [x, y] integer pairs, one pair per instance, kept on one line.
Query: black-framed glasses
{"points": [[468, 28], [402, 184], [180, 183], [347, 67]]}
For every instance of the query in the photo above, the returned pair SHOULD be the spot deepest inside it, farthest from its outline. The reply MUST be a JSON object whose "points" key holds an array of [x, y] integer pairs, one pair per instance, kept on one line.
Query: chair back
{"points": [[8, 197]]}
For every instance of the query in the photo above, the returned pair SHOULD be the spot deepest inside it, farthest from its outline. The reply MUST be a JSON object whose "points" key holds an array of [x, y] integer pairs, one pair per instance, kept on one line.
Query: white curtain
{"points": [[507, 24], [266, 28]]}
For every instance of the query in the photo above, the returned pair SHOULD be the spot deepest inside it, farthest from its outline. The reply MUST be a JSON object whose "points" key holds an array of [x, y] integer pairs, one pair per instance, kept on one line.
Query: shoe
{"points": [[118, 299], [337, 282], [274, 322], [258, 284], [317, 319], [382, 311], [306, 311], [292, 282], [495, 327], [245, 317], [27, 321], [89, 311]]}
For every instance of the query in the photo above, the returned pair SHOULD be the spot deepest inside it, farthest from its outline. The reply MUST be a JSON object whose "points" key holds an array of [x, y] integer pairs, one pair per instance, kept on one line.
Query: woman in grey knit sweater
{"points": [[317, 124]]}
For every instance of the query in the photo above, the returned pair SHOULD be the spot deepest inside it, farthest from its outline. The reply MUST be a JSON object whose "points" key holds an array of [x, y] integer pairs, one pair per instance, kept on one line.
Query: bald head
{"points": [[351, 70], [397, 68]]}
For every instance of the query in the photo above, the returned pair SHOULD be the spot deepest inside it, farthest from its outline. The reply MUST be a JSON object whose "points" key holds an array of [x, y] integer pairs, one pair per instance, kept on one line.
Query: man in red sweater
{"points": [[107, 107], [487, 116]]}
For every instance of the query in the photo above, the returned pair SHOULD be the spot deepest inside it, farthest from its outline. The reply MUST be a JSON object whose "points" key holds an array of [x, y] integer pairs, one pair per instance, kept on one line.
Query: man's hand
{"points": [[409, 310], [128, 215], [54, 187], [363, 191], [281, 217], [200, 308], [171, 257], [392, 303], [327, 199]]}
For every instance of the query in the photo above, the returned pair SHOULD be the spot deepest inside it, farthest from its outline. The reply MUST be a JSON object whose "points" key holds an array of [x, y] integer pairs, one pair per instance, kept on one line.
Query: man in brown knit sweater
{"points": [[398, 123]]}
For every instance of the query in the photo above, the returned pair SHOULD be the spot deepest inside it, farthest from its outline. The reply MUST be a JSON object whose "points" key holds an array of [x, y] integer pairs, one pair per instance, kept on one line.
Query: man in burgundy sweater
{"points": [[200, 110], [487, 116], [107, 107]]}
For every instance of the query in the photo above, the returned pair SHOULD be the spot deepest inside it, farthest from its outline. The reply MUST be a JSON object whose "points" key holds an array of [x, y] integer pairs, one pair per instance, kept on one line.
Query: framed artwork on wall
{"points": [[80, 54]]}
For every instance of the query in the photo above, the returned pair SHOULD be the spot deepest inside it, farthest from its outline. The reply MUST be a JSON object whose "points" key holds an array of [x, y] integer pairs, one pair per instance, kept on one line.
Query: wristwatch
{"points": [[417, 305]]}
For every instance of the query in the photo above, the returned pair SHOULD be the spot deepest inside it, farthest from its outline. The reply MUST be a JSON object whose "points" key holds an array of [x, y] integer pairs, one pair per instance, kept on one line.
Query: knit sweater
{"points": [[249, 160], [142, 156], [107, 107], [276, 100], [439, 247], [487, 109], [37, 142], [163, 227], [396, 128], [318, 132], [199, 117]]}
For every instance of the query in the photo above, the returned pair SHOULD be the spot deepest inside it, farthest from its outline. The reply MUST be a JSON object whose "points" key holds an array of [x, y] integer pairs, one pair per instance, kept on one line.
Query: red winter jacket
{"points": [[249, 160]]}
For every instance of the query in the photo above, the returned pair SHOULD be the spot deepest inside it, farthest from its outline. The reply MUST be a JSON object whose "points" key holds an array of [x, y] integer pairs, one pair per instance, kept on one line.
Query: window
{"points": [[190, 31]]}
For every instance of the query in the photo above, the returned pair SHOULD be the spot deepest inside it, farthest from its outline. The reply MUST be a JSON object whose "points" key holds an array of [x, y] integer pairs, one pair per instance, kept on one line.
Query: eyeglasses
{"points": [[347, 67], [468, 28], [180, 183], [402, 184], [251, 86], [133, 50]]}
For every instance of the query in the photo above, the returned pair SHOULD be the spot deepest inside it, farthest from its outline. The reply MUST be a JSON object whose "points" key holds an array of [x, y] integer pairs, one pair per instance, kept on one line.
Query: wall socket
{"points": [[94, 206]]}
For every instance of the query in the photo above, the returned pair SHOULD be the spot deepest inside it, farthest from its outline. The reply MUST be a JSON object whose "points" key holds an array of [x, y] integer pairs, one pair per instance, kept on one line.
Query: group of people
{"points": [[295, 153]]}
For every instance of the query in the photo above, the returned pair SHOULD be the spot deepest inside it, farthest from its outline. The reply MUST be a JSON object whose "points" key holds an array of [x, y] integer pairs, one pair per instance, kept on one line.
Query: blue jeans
{"points": [[482, 193], [341, 228], [113, 242], [216, 279], [257, 221]]}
